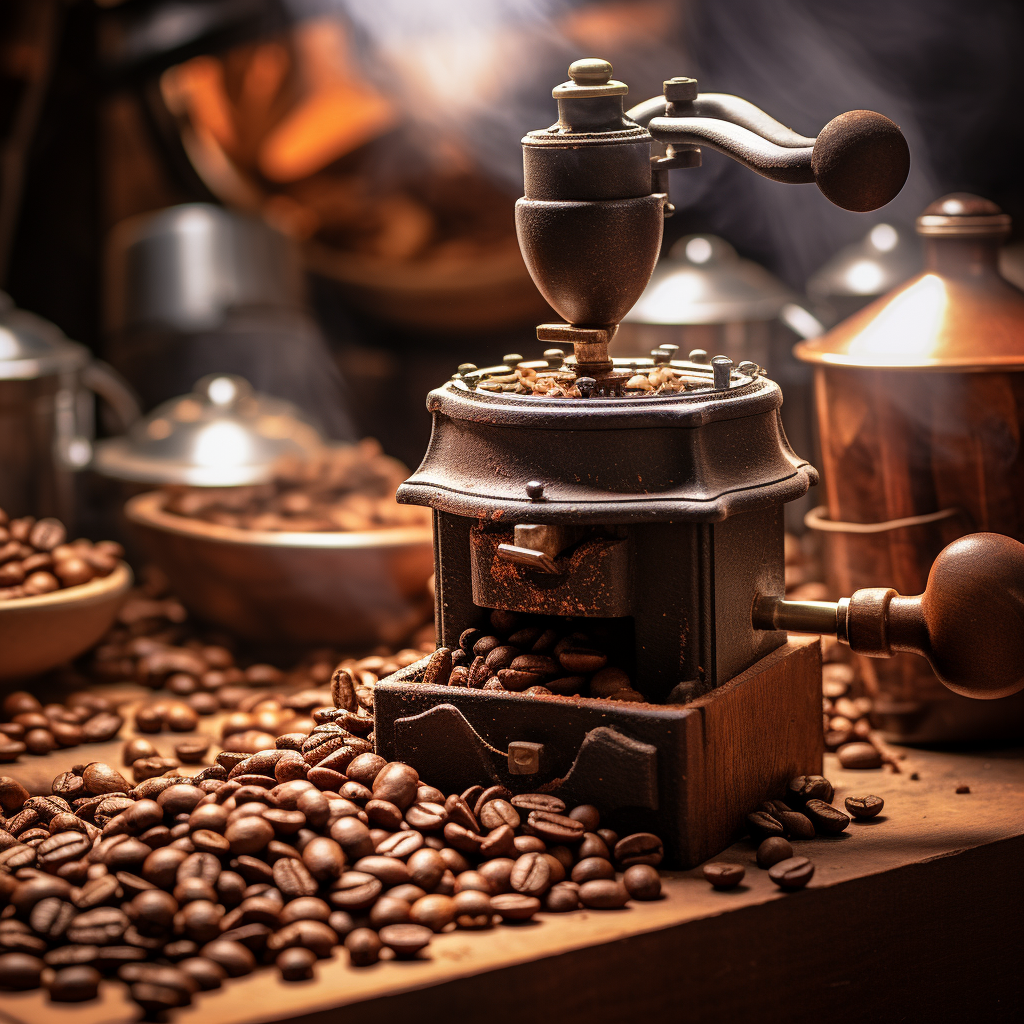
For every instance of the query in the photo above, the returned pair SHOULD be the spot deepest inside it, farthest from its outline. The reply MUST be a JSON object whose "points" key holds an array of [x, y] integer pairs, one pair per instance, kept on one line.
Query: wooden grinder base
{"points": [[688, 773]]}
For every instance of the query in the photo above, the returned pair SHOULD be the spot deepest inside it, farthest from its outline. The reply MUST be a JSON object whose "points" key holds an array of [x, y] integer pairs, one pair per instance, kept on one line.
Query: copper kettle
{"points": [[920, 400]]}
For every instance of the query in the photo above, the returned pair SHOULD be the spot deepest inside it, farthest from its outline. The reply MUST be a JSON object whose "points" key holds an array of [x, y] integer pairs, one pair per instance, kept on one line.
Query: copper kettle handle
{"points": [[968, 623]]}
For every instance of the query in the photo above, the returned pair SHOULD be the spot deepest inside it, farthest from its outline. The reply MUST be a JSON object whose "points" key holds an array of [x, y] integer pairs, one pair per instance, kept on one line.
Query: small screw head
{"points": [[513, 359], [554, 356], [465, 368], [586, 386], [698, 355], [659, 355], [535, 490], [748, 367], [590, 71]]}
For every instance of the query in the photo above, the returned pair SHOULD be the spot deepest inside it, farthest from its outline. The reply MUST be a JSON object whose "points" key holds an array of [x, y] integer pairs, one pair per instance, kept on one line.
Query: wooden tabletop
{"points": [[912, 916]]}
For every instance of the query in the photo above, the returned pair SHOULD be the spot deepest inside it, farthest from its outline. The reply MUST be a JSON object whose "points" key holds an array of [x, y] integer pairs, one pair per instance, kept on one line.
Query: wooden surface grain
{"points": [[913, 916]]}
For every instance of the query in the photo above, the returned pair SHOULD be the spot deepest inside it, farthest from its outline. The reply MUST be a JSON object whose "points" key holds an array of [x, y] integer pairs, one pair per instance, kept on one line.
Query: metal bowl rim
{"points": [[147, 510]]}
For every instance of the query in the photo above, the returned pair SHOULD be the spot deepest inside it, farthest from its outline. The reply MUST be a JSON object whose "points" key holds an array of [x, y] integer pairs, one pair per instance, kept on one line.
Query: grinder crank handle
{"points": [[859, 161], [968, 623]]}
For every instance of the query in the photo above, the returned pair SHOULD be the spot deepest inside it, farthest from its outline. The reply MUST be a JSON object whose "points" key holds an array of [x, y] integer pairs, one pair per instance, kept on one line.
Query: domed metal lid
{"points": [[223, 434], [703, 280], [883, 259], [32, 347], [958, 314]]}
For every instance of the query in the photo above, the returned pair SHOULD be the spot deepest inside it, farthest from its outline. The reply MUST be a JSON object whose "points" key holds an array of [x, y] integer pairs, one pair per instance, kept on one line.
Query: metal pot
{"points": [[46, 413], [921, 413], [223, 434], [862, 272]]}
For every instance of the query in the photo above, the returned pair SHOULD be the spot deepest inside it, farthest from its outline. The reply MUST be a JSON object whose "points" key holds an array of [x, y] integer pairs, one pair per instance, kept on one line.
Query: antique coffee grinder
{"points": [[626, 514]]}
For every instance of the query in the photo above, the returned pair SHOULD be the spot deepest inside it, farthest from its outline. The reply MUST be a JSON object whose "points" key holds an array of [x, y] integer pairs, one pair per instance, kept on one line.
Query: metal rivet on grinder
{"points": [[698, 355], [535, 490], [722, 366], [586, 386], [749, 368], [465, 368], [554, 356], [514, 359]]}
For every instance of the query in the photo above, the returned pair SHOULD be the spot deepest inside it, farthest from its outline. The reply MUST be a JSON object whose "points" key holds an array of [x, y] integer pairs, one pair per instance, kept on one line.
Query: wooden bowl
{"points": [[347, 590], [39, 633]]}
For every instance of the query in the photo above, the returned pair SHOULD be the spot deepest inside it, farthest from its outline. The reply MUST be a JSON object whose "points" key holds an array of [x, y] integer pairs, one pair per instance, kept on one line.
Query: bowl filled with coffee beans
{"points": [[321, 554], [56, 598]]}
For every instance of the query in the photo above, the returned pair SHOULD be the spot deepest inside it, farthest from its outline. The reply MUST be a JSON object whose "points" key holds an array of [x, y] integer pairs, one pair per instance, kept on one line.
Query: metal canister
{"points": [[46, 413], [920, 400]]}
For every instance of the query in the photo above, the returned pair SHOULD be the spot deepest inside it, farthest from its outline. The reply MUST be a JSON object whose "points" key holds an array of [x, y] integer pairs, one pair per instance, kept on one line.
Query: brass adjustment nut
{"points": [[524, 758], [680, 90]]}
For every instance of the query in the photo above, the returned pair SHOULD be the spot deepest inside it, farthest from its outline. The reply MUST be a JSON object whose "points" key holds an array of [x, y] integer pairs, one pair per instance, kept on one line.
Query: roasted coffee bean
{"points": [[591, 868], [795, 824], [204, 972], [405, 940], [439, 668], [396, 783], [808, 787], [426, 868], [50, 917], [192, 751], [555, 828], [538, 802], [859, 755], [642, 882], [772, 850], [499, 842], [363, 947], [827, 820], [864, 806], [324, 859], [389, 870], [74, 984], [102, 727], [761, 825], [531, 874], [639, 848], [195, 865], [562, 898], [434, 912], [59, 849], [498, 812], [354, 891], [96, 892], [426, 817], [316, 936], [401, 844], [102, 926], [102, 778], [723, 875], [295, 963], [232, 956], [515, 906], [603, 894], [353, 837], [66, 956], [19, 972], [389, 910], [793, 873]]}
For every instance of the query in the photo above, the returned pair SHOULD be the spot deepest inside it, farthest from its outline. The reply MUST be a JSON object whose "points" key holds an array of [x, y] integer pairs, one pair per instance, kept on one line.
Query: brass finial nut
{"points": [[590, 71], [590, 78], [680, 90]]}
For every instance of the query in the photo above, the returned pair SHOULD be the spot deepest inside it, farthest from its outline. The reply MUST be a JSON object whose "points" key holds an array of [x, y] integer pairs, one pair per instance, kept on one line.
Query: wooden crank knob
{"points": [[968, 623]]}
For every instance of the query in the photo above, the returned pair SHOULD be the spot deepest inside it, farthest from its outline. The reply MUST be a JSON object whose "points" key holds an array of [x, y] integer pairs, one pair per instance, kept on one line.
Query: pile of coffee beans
{"points": [[805, 811], [28, 726], [348, 488], [538, 657], [35, 557], [174, 883]]}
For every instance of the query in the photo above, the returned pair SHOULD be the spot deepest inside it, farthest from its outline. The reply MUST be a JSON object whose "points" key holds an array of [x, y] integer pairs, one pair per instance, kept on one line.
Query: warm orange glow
{"points": [[197, 86], [907, 329], [339, 113]]}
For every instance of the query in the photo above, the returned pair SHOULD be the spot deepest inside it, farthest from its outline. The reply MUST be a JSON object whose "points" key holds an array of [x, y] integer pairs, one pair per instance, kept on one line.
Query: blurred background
{"points": [[357, 165]]}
